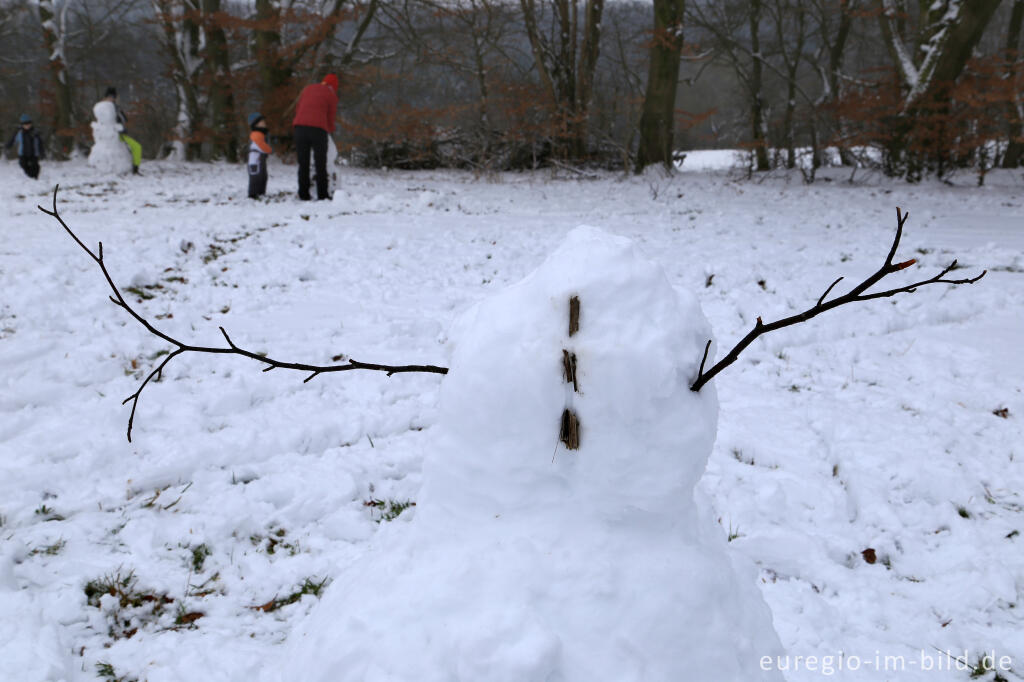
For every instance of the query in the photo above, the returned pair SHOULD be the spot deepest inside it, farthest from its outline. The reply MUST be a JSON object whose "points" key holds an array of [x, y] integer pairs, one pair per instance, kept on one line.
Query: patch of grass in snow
{"points": [[105, 671], [738, 455], [48, 514], [308, 586], [213, 252], [986, 666], [199, 554], [130, 607], [387, 510], [962, 511], [151, 503], [205, 588], [141, 292], [49, 550], [274, 542]]}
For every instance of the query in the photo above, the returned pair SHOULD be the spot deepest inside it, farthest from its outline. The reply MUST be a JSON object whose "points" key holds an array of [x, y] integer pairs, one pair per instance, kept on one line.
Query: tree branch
{"points": [[181, 347], [857, 293]]}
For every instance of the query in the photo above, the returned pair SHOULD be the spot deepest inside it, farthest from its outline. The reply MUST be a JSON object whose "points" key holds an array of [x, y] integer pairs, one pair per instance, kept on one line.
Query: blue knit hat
{"points": [[25, 118], [253, 117]]}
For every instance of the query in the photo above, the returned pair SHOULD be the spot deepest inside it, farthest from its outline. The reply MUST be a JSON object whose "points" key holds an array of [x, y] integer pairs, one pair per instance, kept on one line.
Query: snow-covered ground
{"points": [[894, 425]]}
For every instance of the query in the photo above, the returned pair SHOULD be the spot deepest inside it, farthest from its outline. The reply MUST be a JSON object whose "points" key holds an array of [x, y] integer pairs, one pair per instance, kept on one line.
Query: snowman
{"points": [[556, 537], [109, 154], [332, 171]]}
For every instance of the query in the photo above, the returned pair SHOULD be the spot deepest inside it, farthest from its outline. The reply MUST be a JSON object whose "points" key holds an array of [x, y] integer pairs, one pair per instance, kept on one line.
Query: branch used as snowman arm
{"points": [[857, 293], [181, 347]]}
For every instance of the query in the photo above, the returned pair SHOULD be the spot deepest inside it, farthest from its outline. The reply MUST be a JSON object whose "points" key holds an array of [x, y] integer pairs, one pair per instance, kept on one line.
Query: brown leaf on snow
{"points": [[266, 608], [869, 555]]}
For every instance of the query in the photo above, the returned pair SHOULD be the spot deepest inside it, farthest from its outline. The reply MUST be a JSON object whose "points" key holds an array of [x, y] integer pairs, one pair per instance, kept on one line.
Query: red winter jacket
{"points": [[317, 107]]}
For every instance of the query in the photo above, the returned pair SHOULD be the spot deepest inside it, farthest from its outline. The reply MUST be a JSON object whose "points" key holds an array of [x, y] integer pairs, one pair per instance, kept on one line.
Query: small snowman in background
{"points": [[557, 537], [332, 171], [109, 153]]}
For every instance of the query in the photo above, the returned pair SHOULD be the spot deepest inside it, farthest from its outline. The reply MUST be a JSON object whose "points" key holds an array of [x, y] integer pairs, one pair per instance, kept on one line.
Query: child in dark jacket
{"points": [[258, 152], [30, 147]]}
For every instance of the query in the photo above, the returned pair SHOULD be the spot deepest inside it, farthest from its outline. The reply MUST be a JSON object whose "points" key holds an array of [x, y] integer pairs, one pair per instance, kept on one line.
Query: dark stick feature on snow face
{"points": [[181, 347], [857, 293]]}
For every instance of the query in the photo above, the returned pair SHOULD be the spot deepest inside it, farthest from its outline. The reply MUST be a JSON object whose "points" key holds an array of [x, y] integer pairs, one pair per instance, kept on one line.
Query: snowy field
{"points": [[869, 464]]}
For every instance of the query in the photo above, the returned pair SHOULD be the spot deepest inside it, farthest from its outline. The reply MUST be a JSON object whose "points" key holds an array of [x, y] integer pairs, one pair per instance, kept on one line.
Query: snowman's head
{"points": [[644, 437]]}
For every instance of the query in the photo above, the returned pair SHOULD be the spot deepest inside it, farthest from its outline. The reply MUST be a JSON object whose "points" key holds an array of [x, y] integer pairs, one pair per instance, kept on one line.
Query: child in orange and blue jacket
{"points": [[258, 152]]}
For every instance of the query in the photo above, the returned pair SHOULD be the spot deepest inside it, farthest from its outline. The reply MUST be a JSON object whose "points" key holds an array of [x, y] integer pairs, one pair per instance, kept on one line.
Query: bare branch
{"points": [[830, 287], [181, 347], [857, 293]]}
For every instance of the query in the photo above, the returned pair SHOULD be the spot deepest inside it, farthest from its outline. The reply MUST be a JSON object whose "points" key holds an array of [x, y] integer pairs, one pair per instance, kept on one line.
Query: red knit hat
{"points": [[331, 81]]}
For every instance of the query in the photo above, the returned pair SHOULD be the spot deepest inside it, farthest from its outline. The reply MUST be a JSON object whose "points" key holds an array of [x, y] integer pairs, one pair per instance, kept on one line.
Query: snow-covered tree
{"points": [[183, 40], [928, 61], [53, 20]]}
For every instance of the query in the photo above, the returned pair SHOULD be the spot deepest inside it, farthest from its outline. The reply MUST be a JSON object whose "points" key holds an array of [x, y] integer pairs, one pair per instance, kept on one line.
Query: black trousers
{"points": [[309, 138], [257, 174], [30, 164]]}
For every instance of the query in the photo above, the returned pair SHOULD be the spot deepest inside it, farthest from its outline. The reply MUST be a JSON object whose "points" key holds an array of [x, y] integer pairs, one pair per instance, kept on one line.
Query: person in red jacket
{"points": [[314, 121]]}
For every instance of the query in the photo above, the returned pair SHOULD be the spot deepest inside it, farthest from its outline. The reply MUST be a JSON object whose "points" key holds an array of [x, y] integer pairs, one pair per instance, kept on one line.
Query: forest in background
{"points": [[912, 88]]}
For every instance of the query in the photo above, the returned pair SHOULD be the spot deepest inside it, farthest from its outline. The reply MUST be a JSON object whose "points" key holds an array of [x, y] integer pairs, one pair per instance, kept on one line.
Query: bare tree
{"points": [[222, 95], [565, 58], [184, 44], [657, 123], [834, 20], [791, 34], [735, 29], [471, 38], [1015, 66], [53, 20], [946, 34], [288, 33]]}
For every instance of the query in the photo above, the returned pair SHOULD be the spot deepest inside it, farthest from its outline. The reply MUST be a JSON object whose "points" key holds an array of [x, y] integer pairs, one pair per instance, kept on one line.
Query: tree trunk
{"points": [[274, 75], [589, 50], [657, 122], [793, 60], [566, 71], [757, 118], [787, 122], [52, 18], [835, 66], [222, 99], [1015, 150], [180, 21]]}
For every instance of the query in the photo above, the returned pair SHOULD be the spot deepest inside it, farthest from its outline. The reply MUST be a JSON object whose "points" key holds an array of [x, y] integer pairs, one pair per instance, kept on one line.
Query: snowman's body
{"points": [[531, 563], [109, 154]]}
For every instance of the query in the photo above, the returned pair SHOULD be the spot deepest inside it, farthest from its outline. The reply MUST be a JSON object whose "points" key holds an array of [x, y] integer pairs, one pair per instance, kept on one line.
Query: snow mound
{"points": [[527, 561]]}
